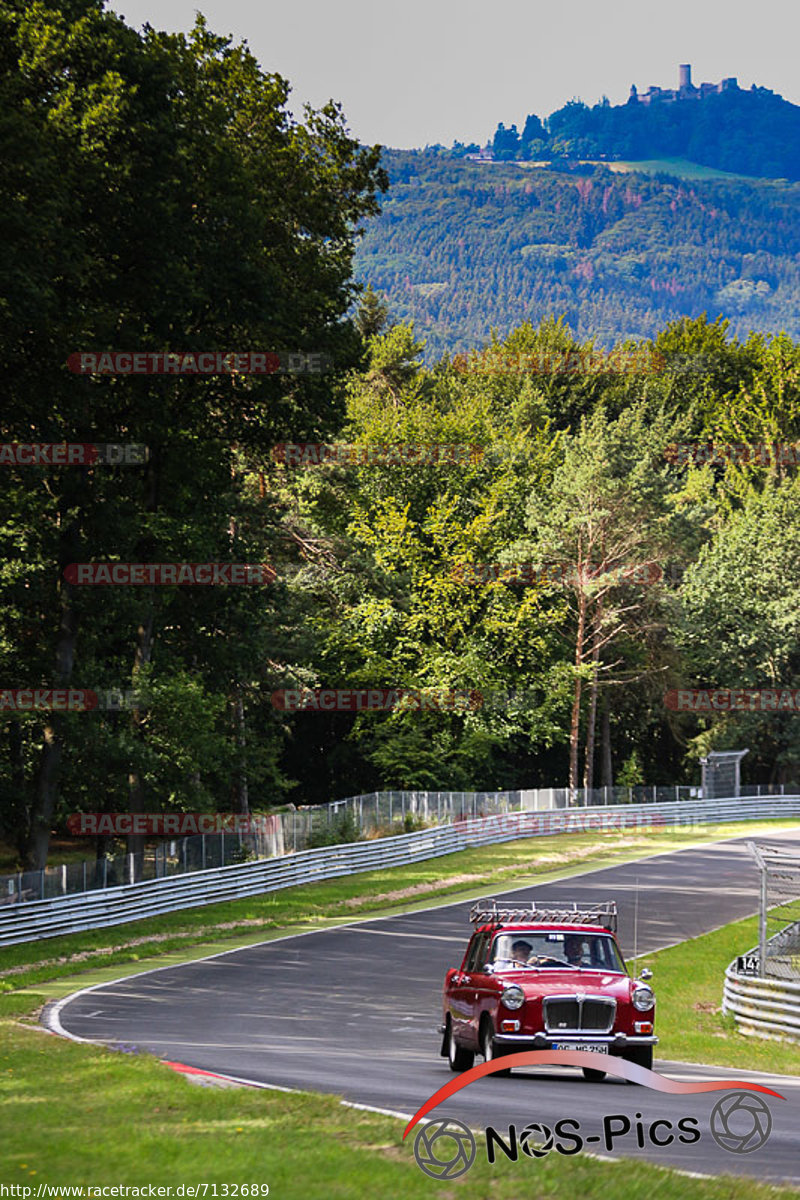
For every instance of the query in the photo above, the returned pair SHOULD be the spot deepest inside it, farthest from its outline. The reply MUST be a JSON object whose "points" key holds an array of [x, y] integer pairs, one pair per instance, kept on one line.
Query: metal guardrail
{"points": [[119, 905]]}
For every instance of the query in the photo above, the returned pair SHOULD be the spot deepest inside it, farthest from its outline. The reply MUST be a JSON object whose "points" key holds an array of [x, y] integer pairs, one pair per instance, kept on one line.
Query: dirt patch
{"points": [[523, 867], [417, 889], [526, 866], [153, 939]]}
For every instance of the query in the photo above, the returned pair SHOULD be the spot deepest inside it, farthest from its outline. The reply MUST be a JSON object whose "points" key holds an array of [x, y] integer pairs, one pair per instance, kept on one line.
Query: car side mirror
{"points": [[645, 973], [489, 969]]}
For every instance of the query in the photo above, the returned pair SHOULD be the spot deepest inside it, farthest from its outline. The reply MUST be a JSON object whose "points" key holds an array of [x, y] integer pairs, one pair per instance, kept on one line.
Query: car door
{"points": [[484, 989], [463, 995]]}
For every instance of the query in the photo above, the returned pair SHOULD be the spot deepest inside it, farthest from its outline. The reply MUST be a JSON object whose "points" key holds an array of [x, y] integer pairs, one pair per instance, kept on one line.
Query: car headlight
{"points": [[513, 996], [642, 998]]}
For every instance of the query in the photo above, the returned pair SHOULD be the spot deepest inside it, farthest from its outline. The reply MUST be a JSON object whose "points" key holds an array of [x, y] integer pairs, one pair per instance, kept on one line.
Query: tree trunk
{"points": [[574, 733], [588, 758], [45, 792], [45, 795], [241, 798], [102, 845], [141, 658], [17, 821], [136, 792], [591, 722], [608, 769]]}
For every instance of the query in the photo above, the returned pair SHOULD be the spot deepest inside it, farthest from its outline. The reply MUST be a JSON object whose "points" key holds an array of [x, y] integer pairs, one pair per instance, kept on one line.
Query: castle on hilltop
{"points": [[685, 90]]}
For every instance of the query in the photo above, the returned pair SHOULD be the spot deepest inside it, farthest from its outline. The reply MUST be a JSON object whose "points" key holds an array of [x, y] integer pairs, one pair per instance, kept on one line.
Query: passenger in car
{"points": [[573, 950], [520, 953]]}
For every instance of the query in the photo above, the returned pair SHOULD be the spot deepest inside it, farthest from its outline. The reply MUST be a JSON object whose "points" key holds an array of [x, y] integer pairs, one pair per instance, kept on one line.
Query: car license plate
{"points": [[595, 1048]]}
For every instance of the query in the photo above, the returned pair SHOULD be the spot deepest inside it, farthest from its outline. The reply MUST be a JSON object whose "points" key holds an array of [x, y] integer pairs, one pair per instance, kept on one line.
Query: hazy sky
{"points": [[425, 71]]}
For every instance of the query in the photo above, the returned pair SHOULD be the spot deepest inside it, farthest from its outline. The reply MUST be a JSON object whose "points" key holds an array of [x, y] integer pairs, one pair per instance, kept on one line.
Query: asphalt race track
{"points": [[355, 1011]]}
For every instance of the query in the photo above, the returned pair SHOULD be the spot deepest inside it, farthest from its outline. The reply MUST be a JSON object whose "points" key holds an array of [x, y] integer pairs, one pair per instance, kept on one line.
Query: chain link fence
{"points": [[779, 912], [172, 857], [377, 810], [354, 818]]}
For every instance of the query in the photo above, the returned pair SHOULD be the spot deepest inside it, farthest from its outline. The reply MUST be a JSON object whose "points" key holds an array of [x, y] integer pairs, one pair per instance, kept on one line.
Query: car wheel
{"points": [[642, 1056], [488, 1047], [592, 1075], [458, 1058]]}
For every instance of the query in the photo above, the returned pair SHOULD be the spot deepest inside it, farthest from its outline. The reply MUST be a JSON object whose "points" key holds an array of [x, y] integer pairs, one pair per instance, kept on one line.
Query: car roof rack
{"points": [[490, 912]]}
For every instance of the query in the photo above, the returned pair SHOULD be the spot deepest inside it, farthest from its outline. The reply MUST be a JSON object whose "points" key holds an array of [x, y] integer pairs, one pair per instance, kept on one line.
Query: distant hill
{"points": [[753, 132], [463, 247]]}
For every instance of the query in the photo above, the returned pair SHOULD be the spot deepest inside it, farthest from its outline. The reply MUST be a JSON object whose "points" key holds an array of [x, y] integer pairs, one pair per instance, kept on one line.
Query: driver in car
{"points": [[573, 950]]}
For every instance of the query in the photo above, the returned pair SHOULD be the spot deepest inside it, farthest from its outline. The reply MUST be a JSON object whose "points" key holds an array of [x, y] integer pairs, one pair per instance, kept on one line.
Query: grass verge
{"points": [[74, 1115]]}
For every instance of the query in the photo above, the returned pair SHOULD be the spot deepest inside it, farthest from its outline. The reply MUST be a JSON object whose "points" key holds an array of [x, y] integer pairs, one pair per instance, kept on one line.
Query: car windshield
{"points": [[543, 948]]}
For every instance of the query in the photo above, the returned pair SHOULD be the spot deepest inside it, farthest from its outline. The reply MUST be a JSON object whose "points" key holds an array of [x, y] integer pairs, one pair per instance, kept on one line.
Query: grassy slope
{"points": [[690, 1023], [681, 168]]}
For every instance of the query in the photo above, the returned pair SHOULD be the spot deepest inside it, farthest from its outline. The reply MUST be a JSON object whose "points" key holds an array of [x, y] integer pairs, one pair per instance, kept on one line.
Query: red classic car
{"points": [[546, 976]]}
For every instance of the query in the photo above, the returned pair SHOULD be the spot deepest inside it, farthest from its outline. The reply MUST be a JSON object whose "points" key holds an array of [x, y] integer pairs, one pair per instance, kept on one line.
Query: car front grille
{"points": [[578, 1014]]}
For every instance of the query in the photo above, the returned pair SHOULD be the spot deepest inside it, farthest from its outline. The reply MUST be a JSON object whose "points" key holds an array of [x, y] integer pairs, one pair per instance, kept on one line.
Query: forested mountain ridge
{"points": [[463, 248]]}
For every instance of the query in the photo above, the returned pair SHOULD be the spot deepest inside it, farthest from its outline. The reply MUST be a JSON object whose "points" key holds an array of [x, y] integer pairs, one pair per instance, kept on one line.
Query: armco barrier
{"points": [[117, 905], [762, 1007]]}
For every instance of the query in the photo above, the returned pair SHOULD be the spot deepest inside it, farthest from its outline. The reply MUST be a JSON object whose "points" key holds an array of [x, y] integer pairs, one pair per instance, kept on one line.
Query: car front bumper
{"points": [[546, 1041]]}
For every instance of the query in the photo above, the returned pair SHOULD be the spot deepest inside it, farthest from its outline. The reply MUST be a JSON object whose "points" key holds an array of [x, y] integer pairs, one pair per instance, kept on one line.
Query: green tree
{"points": [[373, 314], [607, 526], [188, 211], [738, 626]]}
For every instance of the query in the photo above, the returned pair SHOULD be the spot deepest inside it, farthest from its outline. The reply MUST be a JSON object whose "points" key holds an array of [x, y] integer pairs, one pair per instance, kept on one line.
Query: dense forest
{"points": [[465, 248], [195, 215], [746, 132]]}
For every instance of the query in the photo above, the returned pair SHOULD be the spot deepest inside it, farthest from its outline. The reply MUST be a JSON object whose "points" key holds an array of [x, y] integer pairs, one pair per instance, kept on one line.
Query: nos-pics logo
{"points": [[446, 1148]]}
